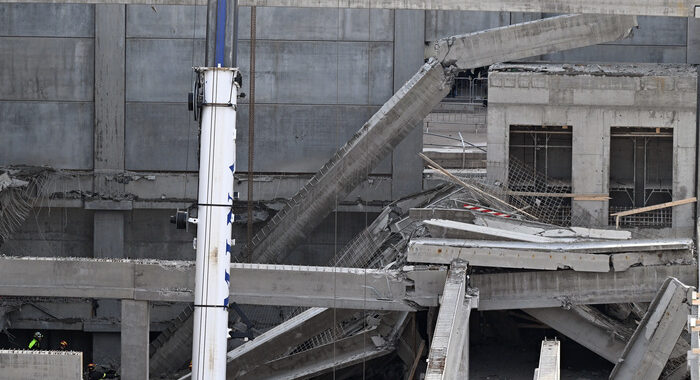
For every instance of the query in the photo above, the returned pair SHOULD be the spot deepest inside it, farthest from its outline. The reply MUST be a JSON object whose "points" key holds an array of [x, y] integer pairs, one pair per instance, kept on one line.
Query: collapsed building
{"points": [[575, 214]]}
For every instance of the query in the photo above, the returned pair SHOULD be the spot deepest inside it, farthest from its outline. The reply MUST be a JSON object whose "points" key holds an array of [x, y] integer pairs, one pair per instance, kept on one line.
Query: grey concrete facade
{"points": [[591, 104]]}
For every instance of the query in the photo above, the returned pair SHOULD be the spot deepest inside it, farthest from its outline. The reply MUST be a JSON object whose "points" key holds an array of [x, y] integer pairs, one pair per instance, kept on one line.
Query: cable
{"points": [[251, 133]]}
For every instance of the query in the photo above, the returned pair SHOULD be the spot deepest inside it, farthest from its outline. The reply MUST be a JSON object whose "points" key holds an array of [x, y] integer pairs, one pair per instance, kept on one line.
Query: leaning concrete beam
{"points": [[681, 8], [650, 347], [537, 289], [275, 342], [373, 342], [448, 357], [419, 252], [530, 39], [548, 368], [351, 163], [595, 333]]}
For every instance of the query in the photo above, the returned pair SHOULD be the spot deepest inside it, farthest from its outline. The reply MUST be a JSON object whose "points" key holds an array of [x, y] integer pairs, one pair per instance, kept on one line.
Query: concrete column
{"points": [[409, 40], [108, 238], [135, 339], [110, 48], [110, 51], [590, 158], [693, 44]]}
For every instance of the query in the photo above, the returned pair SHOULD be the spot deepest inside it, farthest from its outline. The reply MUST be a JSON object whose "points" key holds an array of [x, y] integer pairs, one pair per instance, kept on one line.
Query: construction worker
{"points": [[63, 346], [95, 373], [35, 343]]}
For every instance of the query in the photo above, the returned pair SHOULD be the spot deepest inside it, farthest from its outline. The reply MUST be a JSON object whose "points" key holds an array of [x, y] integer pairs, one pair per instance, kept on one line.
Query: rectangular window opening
{"points": [[540, 162], [641, 175]]}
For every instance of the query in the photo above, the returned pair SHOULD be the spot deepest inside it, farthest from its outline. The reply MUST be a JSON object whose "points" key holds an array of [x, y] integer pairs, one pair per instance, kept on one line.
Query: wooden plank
{"points": [[655, 207], [618, 215]]}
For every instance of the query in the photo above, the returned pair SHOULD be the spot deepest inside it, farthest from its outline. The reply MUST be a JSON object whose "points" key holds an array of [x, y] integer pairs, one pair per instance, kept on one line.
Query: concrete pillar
{"points": [[110, 50], [693, 44], [409, 40], [135, 339], [108, 238]]}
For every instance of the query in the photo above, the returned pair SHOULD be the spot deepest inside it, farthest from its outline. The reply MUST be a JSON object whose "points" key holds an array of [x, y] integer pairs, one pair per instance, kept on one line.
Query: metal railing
{"points": [[469, 90]]}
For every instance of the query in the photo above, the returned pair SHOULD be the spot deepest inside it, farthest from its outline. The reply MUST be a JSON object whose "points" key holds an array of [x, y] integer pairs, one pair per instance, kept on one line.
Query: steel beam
{"points": [[448, 357], [681, 8], [650, 347]]}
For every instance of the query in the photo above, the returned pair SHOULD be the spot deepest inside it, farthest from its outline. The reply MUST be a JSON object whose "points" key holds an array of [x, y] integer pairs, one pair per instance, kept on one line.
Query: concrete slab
{"points": [[622, 261], [448, 229], [636, 245], [421, 252]]}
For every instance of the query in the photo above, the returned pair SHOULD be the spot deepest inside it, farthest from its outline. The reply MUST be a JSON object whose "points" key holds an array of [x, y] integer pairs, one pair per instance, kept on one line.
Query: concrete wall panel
{"points": [[46, 68], [671, 31], [441, 24], [149, 234], [318, 24], [315, 72], [299, 138], [693, 48], [47, 232], [160, 70], [47, 20], [59, 135], [169, 126], [166, 21]]}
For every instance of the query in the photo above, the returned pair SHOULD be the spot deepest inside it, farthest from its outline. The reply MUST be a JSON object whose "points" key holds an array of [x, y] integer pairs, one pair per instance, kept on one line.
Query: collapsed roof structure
{"points": [[508, 235]]}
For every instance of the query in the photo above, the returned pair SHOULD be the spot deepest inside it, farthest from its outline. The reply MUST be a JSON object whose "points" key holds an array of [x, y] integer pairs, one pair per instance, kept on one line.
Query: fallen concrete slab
{"points": [[538, 289], [650, 347], [548, 230], [637, 245], [440, 228], [583, 257], [422, 252], [623, 261]]}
